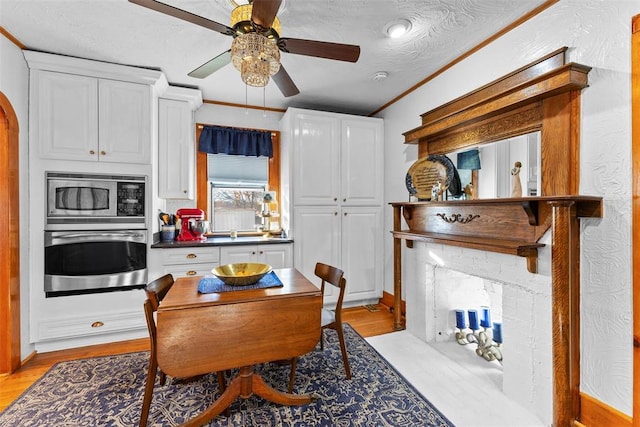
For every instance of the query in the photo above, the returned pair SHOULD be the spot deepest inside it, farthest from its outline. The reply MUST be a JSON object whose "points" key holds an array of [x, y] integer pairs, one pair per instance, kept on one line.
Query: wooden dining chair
{"points": [[330, 318], [156, 291]]}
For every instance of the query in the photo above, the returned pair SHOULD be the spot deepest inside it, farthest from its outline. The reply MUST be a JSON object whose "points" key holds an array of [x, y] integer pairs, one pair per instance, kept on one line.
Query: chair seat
{"points": [[327, 317]]}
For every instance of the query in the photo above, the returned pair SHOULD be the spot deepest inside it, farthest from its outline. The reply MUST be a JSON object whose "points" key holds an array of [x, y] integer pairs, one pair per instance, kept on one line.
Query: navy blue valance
{"points": [[239, 142]]}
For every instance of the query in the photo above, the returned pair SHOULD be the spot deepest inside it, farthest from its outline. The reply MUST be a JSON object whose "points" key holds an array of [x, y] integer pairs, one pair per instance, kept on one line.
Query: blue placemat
{"points": [[209, 284]]}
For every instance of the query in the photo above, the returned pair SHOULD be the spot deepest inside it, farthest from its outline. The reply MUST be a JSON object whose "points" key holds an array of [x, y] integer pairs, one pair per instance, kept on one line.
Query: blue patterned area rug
{"points": [[107, 391]]}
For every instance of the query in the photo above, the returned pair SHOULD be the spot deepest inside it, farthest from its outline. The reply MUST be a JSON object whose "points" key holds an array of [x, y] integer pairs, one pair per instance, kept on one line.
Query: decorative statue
{"points": [[516, 187], [469, 192], [436, 191]]}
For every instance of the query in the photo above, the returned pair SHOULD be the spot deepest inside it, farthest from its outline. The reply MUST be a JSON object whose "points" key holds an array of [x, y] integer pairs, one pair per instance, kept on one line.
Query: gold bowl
{"points": [[241, 274]]}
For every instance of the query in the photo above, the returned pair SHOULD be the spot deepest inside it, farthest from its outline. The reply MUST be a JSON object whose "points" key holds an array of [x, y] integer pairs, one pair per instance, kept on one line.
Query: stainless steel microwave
{"points": [[74, 199]]}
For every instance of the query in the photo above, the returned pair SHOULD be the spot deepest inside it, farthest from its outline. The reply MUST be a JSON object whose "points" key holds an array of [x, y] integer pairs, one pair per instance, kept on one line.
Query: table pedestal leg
{"points": [[243, 385]]}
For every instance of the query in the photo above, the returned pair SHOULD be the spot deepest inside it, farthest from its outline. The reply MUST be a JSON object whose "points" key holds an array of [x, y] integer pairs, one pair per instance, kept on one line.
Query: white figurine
{"points": [[436, 191], [516, 187]]}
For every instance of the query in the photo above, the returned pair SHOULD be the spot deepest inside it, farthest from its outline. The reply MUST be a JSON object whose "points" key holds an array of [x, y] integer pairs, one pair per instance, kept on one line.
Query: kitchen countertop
{"points": [[222, 241]]}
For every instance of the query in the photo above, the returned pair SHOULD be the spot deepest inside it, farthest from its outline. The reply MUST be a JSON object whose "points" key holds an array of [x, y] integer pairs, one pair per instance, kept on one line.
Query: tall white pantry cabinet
{"points": [[332, 184]]}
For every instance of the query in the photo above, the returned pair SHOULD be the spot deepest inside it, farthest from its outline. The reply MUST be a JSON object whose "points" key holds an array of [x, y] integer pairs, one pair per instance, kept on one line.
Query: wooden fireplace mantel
{"points": [[515, 226], [543, 96], [509, 226]]}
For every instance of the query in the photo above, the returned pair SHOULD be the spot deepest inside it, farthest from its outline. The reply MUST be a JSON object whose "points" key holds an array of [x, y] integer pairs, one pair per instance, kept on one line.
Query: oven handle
{"points": [[53, 238]]}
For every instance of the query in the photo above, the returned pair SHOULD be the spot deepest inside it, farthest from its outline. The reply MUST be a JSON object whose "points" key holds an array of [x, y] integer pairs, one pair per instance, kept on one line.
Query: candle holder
{"points": [[486, 348]]}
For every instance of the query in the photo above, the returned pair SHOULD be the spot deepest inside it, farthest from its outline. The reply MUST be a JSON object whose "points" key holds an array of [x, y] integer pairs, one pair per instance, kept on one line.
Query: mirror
{"points": [[497, 173]]}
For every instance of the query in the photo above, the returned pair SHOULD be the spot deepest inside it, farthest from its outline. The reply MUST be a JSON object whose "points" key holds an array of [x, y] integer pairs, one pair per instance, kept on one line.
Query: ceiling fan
{"points": [[257, 42]]}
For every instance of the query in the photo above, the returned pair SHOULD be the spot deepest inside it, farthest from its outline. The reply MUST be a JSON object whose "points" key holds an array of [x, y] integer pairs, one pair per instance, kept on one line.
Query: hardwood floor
{"points": [[368, 321]]}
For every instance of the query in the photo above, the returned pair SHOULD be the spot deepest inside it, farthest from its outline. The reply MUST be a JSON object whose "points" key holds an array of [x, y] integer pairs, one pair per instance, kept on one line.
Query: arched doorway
{"points": [[9, 239]]}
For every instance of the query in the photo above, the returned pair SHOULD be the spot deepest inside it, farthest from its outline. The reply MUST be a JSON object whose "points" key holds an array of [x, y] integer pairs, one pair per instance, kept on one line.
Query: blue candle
{"points": [[473, 319], [460, 320], [485, 321], [497, 332]]}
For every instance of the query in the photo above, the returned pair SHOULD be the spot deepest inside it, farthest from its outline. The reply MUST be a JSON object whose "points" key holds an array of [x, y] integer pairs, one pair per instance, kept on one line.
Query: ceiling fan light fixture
{"points": [[241, 20], [397, 28], [256, 57]]}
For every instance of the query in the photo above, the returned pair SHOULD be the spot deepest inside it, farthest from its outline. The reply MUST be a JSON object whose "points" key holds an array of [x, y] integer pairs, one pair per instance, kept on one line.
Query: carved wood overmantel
{"points": [[541, 96]]}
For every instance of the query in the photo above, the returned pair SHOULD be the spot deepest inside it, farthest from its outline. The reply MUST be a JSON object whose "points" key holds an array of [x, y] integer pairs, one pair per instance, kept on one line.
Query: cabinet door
{"points": [[316, 164], [67, 115], [277, 256], [362, 162], [317, 239], [176, 154], [240, 253], [362, 252], [125, 122]]}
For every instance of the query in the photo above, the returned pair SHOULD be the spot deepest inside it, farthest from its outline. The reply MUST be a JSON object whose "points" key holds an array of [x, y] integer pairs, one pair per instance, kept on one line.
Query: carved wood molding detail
{"points": [[525, 120], [457, 218]]}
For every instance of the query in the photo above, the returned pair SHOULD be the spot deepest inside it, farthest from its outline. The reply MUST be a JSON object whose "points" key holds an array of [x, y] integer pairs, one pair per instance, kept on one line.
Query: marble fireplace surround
{"points": [[542, 96]]}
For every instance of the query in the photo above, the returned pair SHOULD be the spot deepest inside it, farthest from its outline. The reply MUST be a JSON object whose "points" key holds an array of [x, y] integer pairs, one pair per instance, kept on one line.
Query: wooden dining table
{"points": [[199, 333]]}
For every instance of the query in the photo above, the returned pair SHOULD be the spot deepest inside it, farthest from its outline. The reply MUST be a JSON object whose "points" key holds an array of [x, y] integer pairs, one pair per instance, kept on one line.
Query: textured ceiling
{"points": [[122, 32]]}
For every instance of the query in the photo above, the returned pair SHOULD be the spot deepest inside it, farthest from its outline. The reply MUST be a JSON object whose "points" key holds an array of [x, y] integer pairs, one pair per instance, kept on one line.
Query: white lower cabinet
{"points": [[190, 261], [347, 238], [276, 255]]}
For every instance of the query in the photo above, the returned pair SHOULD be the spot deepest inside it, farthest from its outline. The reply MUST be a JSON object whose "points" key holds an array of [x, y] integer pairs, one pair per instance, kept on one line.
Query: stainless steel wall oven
{"points": [[89, 261], [95, 237]]}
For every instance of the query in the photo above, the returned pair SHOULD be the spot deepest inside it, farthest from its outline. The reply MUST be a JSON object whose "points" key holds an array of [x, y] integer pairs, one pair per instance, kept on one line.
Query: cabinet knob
{"points": [[102, 153], [191, 256], [335, 213], [253, 252], [191, 273], [335, 199], [184, 191], [92, 152], [261, 252], [345, 214], [344, 200]]}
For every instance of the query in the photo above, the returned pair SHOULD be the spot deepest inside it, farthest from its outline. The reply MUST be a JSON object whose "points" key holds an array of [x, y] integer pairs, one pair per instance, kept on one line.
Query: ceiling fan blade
{"points": [[211, 66], [184, 15], [340, 52], [284, 82], [264, 12]]}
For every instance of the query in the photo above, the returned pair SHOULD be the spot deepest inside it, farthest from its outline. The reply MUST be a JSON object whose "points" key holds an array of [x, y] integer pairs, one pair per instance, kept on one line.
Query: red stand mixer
{"points": [[193, 226]]}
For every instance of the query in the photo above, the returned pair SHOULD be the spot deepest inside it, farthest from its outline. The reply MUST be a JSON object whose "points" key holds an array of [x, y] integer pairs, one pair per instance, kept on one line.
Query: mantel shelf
{"points": [[524, 249], [475, 224]]}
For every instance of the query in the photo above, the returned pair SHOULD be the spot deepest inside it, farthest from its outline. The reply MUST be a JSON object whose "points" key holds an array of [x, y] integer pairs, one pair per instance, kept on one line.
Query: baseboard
{"points": [[594, 413], [388, 299]]}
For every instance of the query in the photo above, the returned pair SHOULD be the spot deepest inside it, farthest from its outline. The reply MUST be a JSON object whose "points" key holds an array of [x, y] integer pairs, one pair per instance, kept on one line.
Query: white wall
{"points": [[597, 33], [14, 84], [214, 114]]}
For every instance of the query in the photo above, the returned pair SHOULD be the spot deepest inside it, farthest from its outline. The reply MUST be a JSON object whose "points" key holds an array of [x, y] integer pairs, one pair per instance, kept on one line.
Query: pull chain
{"points": [[246, 99]]}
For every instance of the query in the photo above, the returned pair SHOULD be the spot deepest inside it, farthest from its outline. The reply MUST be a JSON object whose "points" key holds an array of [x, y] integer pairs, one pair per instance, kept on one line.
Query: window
{"points": [[206, 191], [237, 187]]}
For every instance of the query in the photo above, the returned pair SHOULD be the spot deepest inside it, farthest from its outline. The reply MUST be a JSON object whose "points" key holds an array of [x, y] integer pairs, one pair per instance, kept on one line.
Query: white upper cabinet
{"points": [[176, 143], [362, 163], [67, 108], [316, 160], [89, 110], [124, 127], [336, 159]]}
